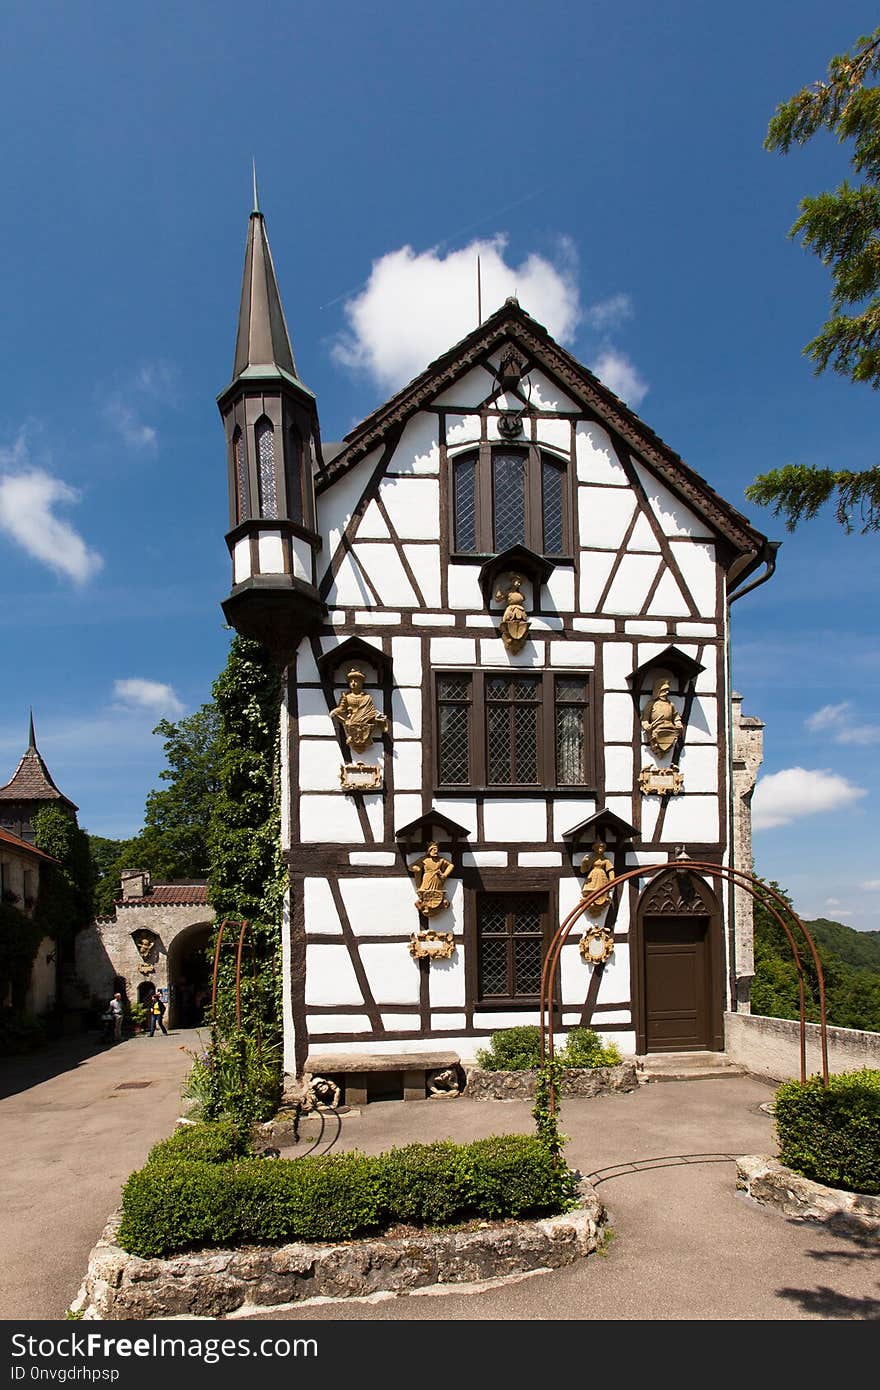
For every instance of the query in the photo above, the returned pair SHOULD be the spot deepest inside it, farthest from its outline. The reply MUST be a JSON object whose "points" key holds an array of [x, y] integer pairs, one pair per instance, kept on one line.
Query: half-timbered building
{"points": [[502, 603]]}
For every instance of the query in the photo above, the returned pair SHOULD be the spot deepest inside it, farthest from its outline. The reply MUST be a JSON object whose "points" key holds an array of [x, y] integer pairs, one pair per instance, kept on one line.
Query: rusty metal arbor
{"points": [[775, 904], [244, 926]]}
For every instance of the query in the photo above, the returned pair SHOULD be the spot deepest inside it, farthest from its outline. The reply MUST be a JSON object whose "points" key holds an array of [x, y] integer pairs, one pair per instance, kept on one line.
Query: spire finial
{"points": [[256, 198], [32, 738]]}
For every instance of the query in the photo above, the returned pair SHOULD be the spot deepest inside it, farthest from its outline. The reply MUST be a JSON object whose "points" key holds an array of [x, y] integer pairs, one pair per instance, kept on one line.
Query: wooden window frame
{"points": [[477, 732], [484, 498], [485, 1003]]}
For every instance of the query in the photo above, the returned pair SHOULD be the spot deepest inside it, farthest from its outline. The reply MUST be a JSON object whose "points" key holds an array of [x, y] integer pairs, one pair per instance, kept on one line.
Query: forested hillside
{"points": [[850, 965]]}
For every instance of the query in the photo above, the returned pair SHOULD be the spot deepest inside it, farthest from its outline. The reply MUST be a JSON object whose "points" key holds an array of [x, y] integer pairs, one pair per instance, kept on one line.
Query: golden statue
{"points": [[514, 626], [430, 873], [600, 874], [145, 941], [358, 715], [661, 721]]}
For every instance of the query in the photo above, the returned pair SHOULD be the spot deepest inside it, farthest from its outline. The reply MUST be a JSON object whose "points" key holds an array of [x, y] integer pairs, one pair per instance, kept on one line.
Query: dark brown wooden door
{"points": [[677, 984]]}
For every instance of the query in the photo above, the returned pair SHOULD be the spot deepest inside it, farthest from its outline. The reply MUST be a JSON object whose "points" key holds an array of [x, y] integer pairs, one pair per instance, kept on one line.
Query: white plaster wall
{"points": [[631, 584], [580, 656], [241, 560], [707, 680], [486, 858], [439, 1022], [434, 619], [406, 654], [407, 808], [674, 516], [650, 806], [418, 452], [699, 765], [692, 818], [461, 430], [333, 818], [453, 651], [703, 722], [621, 806], [392, 973], [619, 717], [463, 812], [555, 433], [372, 525], [319, 908], [558, 592], [464, 587], [319, 764], [569, 813], [539, 859], [284, 736], [330, 977], [408, 766], [471, 390], [424, 561], [413, 506], [546, 395], [349, 588], [668, 598], [302, 559], [617, 663], [643, 537], [406, 713], [446, 981], [313, 718], [306, 670], [336, 506], [517, 821], [494, 653], [372, 857], [618, 769], [596, 460], [380, 906], [381, 562], [697, 564], [595, 569], [319, 1024], [604, 515]]}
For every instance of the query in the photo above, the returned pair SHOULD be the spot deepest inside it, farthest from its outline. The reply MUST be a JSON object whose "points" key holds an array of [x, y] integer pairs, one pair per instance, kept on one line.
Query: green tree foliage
{"points": [[843, 229], [66, 888], [174, 841], [852, 978], [19, 938]]}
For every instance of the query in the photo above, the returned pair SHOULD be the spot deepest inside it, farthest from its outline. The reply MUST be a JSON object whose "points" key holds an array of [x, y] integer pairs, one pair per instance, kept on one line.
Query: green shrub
{"points": [[519, 1049], [215, 1141], [178, 1203], [512, 1049], [832, 1136], [584, 1048]]}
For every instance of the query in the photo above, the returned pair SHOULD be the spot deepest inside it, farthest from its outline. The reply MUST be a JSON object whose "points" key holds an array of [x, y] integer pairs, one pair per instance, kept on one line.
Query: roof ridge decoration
{"points": [[512, 321]]}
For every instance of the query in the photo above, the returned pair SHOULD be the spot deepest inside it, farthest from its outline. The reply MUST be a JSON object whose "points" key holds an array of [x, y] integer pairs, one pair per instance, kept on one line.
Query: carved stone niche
{"points": [[511, 582], [358, 678], [662, 691], [431, 849], [605, 827]]}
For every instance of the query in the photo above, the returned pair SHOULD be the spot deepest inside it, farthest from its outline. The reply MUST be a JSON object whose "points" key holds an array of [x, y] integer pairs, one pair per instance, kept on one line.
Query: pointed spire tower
{"points": [[273, 444]]}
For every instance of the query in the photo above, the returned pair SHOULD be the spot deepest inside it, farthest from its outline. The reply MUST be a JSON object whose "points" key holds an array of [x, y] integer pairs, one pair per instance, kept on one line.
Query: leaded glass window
{"points": [[509, 494], [512, 718], [552, 482], [465, 487], [294, 476], [571, 730], [453, 723], [241, 477], [265, 437], [510, 947]]}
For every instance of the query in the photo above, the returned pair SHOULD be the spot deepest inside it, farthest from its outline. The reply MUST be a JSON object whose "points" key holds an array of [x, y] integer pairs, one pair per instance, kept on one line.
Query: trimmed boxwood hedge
{"points": [[212, 1141], [176, 1204], [832, 1136]]}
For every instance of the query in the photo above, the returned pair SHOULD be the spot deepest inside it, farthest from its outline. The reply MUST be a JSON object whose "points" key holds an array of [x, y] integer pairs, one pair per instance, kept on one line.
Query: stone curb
{"points": [[769, 1182], [213, 1283], [576, 1081]]}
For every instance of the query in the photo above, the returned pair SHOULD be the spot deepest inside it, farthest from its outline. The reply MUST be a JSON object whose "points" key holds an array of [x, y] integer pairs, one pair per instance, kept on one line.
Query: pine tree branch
{"points": [[798, 492]]}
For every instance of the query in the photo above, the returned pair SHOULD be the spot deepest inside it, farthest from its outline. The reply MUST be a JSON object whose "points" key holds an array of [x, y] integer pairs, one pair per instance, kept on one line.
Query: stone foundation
{"points": [[576, 1081], [768, 1181], [216, 1283]]}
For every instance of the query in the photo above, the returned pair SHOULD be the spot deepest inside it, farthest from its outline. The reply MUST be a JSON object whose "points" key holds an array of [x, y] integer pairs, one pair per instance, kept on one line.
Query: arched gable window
{"points": [[504, 496], [265, 440], [241, 478]]}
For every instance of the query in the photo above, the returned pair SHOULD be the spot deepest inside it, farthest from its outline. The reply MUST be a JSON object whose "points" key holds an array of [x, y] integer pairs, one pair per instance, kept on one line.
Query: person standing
{"points": [[157, 1013], [115, 1010]]}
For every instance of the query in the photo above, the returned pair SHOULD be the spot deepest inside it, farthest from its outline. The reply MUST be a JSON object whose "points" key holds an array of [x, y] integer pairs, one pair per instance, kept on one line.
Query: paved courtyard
{"points": [[687, 1245]]}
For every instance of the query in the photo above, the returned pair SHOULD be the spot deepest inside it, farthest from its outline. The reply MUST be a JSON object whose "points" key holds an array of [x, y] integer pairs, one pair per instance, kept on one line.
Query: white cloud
{"points": [[620, 376], [839, 719], [154, 696], [416, 305], [28, 498], [795, 792], [124, 418], [609, 313], [871, 885]]}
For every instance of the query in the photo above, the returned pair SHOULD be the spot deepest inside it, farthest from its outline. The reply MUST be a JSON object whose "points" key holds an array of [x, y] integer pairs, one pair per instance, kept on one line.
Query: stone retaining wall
{"points": [[768, 1181], [771, 1046], [216, 1283], [576, 1081]]}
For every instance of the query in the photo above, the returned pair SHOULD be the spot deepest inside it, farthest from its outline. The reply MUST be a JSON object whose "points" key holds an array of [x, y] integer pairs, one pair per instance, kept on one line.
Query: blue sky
{"points": [[609, 161]]}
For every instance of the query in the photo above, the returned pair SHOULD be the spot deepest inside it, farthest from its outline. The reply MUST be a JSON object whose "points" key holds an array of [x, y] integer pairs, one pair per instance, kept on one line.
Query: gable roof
{"points": [[511, 323], [8, 837], [31, 780]]}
